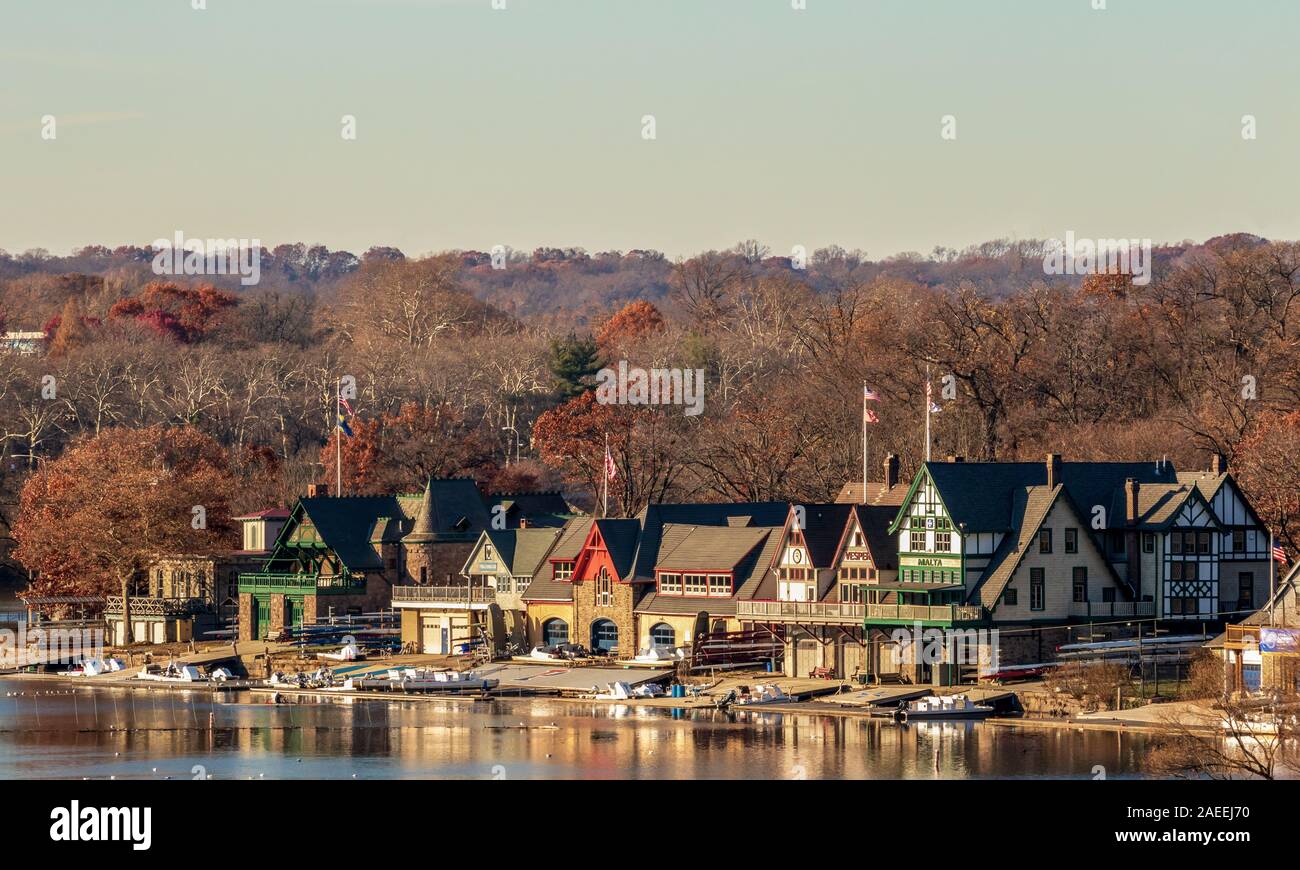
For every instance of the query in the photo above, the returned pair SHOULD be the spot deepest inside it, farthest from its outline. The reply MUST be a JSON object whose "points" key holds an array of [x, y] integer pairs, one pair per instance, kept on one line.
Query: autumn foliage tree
{"points": [[184, 313], [92, 520], [1267, 463]]}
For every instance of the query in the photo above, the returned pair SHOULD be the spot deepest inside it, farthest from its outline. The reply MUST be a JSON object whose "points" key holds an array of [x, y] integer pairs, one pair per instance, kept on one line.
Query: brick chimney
{"points": [[1131, 490], [523, 522], [954, 457], [891, 471], [318, 490], [1053, 469], [1218, 464]]}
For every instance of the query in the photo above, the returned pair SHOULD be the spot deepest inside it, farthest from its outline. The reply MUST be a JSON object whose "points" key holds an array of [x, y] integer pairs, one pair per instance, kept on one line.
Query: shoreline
{"points": [[803, 708]]}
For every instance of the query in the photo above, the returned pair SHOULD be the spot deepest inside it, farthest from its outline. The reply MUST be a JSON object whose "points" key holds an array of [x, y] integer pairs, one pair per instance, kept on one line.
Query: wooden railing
{"points": [[344, 582], [941, 613], [445, 594], [1109, 609], [814, 611], [857, 614], [146, 606]]}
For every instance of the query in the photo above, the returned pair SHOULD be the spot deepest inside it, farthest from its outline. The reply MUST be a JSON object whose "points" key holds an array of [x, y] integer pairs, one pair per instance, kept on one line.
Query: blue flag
{"points": [[343, 424]]}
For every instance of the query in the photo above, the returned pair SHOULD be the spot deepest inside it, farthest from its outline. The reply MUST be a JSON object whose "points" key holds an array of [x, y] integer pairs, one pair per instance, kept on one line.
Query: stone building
{"points": [[345, 555]]}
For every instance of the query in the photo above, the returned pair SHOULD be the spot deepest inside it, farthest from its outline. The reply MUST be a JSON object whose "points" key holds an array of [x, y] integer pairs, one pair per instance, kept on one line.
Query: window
{"points": [[857, 538], [1117, 544], [720, 585], [604, 590], [1108, 595], [1148, 542], [1203, 542], [1238, 541], [1009, 597], [555, 632], [563, 570], [1184, 605], [1044, 540], [521, 584], [1071, 540], [487, 552], [918, 541], [663, 635], [1037, 589], [1183, 571], [943, 542], [424, 575], [1246, 590], [1080, 583], [670, 584], [697, 584]]}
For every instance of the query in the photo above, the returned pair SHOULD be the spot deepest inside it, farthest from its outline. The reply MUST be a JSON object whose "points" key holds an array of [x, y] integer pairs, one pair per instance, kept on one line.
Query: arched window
{"points": [[604, 635], [662, 635], [555, 632]]}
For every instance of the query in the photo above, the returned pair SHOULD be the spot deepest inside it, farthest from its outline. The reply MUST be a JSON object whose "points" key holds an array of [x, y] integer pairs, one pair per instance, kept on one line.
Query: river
{"points": [[51, 730]]}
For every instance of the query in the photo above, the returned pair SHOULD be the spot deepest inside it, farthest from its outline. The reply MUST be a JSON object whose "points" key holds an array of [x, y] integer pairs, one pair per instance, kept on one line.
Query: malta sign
{"points": [[1279, 640]]}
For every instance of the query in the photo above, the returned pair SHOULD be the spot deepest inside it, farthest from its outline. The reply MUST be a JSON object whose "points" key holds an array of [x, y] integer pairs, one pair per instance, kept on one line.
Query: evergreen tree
{"points": [[574, 361]]}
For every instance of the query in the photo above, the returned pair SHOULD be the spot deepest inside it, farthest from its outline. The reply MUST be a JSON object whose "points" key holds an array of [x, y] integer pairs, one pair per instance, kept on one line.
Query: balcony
{"points": [[1111, 609], [312, 584], [144, 606], [926, 614], [825, 612], [835, 613], [451, 597]]}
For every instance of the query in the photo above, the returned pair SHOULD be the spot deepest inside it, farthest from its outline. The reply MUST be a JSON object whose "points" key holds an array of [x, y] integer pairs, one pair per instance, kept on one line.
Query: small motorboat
{"points": [[172, 673], [761, 694], [942, 707]]}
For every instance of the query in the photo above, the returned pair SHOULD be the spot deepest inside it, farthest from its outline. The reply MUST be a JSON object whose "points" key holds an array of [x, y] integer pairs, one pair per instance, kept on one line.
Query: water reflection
{"points": [[138, 733]]}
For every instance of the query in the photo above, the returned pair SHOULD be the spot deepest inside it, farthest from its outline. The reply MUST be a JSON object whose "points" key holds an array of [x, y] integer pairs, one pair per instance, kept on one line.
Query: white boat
{"points": [[615, 692], [658, 655], [761, 694], [349, 653], [173, 673], [543, 654], [425, 680], [942, 707]]}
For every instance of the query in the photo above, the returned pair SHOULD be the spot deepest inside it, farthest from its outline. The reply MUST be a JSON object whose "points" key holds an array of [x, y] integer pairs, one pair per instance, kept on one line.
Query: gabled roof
{"points": [[824, 526], [1159, 505], [1032, 507], [345, 525], [706, 548], [979, 495], [568, 545], [875, 521], [768, 514], [519, 551], [748, 570]]}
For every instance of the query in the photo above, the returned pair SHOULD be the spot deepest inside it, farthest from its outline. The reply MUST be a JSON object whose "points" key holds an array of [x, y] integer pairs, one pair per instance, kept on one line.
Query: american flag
{"points": [[870, 395], [1279, 554], [611, 470], [346, 406], [869, 416]]}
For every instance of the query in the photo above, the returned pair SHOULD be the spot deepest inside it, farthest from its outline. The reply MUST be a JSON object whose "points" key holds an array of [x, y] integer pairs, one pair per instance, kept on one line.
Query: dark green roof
{"points": [[980, 496]]}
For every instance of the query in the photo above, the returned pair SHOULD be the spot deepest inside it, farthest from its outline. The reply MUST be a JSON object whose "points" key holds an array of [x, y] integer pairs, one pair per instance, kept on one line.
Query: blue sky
{"points": [[522, 126]]}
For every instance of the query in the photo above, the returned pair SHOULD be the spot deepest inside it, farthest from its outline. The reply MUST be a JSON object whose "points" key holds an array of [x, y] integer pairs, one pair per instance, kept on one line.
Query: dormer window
{"points": [[563, 570], [487, 552]]}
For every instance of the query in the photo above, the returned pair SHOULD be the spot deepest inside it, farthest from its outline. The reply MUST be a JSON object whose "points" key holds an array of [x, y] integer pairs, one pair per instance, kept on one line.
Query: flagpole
{"points": [[1272, 580], [864, 442], [927, 412], [338, 438], [604, 476]]}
